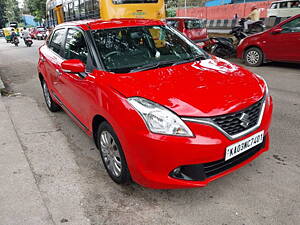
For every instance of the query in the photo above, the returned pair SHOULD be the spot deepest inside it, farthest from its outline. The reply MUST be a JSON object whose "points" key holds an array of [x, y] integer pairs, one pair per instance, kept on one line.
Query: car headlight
{"points": [[159, 119]]}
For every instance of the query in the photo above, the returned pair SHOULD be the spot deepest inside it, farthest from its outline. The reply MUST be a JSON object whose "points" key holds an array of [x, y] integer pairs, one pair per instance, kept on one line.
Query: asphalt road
{"points": [[266, 191]]}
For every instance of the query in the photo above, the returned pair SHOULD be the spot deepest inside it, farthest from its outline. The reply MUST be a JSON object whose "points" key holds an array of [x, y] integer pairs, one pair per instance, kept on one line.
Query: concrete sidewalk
{"points": [[20, 198], [40, 182]]}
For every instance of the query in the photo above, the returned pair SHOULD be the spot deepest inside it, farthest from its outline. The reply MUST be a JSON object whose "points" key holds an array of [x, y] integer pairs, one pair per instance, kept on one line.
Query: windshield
{"points": [[131, 49]]}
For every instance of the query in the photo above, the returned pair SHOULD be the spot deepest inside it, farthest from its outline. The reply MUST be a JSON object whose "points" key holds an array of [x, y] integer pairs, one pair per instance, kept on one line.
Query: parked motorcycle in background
{"points": [[222, 47], [238, 30]]}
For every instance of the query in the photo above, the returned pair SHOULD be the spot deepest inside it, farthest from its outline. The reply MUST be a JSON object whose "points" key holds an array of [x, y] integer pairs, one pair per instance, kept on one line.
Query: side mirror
{"points": [[277, 30], [73, 66]]}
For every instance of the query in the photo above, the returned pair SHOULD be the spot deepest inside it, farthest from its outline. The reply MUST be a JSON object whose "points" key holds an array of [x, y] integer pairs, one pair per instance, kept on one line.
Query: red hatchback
{"points": [[193, 28], [162, 112], [280, 43]]}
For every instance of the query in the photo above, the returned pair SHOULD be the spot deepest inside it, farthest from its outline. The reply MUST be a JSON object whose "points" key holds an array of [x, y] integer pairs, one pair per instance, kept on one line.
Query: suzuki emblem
{"points": [[245, 120]]}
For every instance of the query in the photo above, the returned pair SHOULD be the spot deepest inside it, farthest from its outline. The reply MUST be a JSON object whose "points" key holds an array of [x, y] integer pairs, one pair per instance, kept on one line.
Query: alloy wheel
{"points": [[253, 57], [111, 154]]}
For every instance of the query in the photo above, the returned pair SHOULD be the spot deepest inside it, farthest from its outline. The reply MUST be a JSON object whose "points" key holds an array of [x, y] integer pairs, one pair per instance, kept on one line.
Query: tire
{"points": [[51, 105], [112, 154], [253, 57]]}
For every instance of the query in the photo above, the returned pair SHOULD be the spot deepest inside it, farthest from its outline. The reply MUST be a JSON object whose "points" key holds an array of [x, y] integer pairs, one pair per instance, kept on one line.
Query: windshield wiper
{"points": [[152, 66]]}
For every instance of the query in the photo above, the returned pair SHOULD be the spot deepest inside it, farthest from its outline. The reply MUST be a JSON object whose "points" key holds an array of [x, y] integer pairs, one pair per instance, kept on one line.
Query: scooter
{"points": [[222, 47], [28, 41], [15, 41], [238, 30]]}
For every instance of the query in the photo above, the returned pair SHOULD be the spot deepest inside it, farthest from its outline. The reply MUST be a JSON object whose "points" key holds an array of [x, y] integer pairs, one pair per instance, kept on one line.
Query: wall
{"points": [[225, 11]]}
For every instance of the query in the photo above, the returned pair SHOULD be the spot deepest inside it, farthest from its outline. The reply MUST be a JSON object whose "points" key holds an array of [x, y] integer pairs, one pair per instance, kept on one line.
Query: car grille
{"points": [[231, 123], [216, 167]]}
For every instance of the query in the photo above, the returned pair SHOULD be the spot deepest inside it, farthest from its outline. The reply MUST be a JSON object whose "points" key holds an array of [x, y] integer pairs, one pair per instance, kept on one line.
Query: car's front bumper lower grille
{"points": [[200, 172]]}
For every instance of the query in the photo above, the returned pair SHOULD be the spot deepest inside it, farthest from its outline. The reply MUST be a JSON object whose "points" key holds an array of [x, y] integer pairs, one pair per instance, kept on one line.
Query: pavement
{"points": [[51, 172]]}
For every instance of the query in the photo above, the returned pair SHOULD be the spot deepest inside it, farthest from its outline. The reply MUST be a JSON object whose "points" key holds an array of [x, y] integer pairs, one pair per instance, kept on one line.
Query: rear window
{"points": [[173, 23], [193, 24]]}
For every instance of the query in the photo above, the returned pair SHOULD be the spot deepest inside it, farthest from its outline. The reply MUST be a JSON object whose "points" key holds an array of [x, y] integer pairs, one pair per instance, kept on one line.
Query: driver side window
{"points": [[292, 26], [76, 47]]}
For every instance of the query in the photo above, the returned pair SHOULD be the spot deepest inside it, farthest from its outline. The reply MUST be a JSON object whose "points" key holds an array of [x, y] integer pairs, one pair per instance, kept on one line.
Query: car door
{"points": [[78, 90], [284, 46], [51, 56]]}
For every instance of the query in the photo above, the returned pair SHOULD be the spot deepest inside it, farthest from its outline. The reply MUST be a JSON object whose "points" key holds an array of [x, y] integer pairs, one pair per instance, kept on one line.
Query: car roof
{"points": [[96, 24]]}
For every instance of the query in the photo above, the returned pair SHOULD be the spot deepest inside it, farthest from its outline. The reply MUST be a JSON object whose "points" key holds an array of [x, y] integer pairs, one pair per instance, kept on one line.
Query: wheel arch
{"points": [[97, 120]]}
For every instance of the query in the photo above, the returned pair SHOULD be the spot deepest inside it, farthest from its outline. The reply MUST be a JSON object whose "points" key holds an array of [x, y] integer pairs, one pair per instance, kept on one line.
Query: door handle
{"points": [[58, 72]]}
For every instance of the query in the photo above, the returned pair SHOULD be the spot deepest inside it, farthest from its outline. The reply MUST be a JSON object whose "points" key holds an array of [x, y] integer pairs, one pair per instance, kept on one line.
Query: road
{"points": [[73, 184]]}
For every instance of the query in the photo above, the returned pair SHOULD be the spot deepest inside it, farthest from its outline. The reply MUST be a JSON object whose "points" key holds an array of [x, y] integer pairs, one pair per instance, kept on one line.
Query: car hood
{"points": [[200, 89]]}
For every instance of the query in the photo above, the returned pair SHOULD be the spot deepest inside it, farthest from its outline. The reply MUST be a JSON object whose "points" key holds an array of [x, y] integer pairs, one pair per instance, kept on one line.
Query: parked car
{"points": [[284, 8], [161, 111], [280, 43], [193, 28], [38, 33]]}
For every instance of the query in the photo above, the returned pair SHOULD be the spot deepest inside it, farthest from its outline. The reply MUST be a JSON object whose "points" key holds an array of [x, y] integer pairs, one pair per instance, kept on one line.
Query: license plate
{"points": [[200, 44], [244, 145]]}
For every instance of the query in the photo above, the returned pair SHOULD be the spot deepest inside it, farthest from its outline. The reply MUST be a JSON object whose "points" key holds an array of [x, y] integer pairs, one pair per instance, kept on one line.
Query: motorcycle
{"points": [[222, 47], [28, 41], [15, 41], [239, 33]]}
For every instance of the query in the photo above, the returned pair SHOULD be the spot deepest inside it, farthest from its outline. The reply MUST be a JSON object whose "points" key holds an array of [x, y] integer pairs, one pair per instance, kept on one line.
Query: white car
{"points": [[284, 8]]}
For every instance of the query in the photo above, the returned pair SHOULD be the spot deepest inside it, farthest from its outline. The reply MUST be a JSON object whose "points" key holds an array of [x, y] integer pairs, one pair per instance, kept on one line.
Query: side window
{"points": [[57, 40], [292, 26], [283, 5], [274, 6], [76, 47]]}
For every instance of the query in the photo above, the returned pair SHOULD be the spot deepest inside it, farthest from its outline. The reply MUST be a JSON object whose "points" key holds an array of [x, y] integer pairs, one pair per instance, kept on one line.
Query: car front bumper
{"points": [[152, 157]]}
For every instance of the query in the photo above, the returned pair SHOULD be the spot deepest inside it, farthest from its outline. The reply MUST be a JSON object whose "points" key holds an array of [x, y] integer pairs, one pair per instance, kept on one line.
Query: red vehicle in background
{"points": [[38, 33], [193, 28], [280, 43]]}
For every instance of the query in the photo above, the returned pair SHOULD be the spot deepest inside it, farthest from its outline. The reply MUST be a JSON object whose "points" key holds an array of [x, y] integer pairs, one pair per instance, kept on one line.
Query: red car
{"points": [[38, 33], [161, 111], [280, 43], [193, 28]]}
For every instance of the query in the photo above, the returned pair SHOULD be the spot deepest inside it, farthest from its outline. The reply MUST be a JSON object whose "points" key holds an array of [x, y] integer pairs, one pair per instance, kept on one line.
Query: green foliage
{"points": [[9, 12], [37, 8], [2, 16]]}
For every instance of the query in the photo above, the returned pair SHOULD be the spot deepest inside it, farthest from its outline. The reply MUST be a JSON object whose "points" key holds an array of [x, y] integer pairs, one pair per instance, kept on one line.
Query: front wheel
{"points": [[253, 57], [112, 154]]}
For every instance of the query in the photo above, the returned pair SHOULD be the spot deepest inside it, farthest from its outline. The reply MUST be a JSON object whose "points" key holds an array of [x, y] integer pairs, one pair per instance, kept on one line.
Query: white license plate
{"points": [[200, 44], [244, 145]]}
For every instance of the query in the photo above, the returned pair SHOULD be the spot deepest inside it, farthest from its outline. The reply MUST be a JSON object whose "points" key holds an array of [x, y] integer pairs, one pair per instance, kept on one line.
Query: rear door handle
{"points": [[58, 72]]}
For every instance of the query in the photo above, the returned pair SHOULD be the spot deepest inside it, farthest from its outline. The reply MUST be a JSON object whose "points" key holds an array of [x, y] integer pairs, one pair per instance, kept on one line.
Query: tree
{"points": [[2, 14], [37, 8], [12, 11]]}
